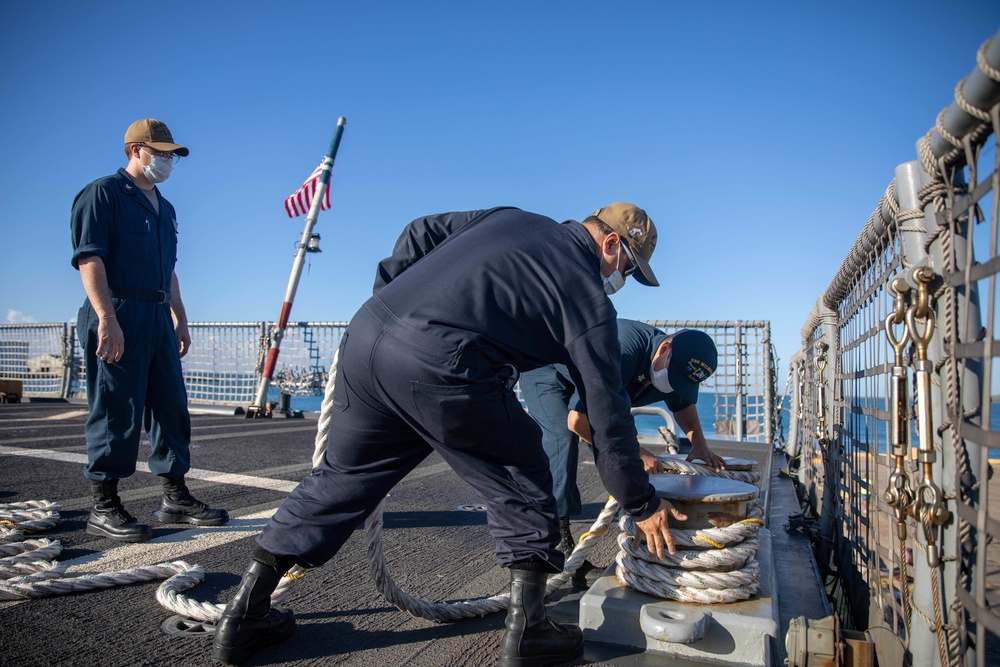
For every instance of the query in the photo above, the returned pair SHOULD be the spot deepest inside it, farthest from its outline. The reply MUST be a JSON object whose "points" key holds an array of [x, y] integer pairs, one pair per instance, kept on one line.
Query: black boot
{"points": [[179, 506], [249, 623], [109, 518], [531, 639], [568, 544]]}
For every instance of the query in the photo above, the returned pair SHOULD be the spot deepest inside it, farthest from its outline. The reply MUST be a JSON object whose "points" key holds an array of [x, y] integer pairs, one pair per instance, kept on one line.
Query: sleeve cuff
{"points": [[649, 509], [87, 251]]}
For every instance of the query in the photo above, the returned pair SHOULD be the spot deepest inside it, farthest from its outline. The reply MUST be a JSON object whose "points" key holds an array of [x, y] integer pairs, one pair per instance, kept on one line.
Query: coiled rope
{"points": [[27, 565], [691, 468], [711, 565]]}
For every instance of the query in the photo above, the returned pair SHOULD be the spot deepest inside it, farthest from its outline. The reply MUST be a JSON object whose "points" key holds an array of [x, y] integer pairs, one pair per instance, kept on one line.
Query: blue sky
{"points": [[759, 136]]}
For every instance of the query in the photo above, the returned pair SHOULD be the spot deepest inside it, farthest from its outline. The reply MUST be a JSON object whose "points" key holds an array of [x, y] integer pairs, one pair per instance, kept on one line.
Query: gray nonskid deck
{"points": [[433, 550]]}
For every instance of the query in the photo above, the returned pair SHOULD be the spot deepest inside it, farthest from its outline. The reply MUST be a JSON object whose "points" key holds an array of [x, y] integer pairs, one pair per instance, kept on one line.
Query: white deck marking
{"points": [[214, 436], [201, 424], [175, 546], [73, 414], [195, 473]]}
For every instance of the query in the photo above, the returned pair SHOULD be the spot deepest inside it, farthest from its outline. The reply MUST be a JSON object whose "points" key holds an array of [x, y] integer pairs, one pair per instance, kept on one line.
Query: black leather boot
{"points": [[249, 623], [531, 639], [568, 544], [109, 518], [179, 506]]}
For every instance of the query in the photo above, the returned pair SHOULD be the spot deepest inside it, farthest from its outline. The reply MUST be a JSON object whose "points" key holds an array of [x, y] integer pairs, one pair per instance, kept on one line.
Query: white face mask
{"points": [[158, 169], [616, 280], [661, 378]]}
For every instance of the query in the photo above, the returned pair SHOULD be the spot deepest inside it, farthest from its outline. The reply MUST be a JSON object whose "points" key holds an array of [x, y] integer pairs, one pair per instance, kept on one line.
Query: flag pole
{"points": [[259, 407]]}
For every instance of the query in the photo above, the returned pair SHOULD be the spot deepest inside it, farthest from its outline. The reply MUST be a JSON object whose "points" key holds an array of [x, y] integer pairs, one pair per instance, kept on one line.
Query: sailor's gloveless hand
{"points": [[110, 340], [704, 453], [183, 339], [656, 530], [650, 462]]}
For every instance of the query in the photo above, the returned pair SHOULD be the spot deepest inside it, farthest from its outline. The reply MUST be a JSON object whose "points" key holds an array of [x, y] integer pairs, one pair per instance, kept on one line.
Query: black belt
{"points": [[156, 296]]}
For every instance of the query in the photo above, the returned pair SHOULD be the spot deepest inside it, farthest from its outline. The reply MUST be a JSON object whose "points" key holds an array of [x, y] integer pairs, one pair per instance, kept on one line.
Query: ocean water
{"points": [[645, 424]]}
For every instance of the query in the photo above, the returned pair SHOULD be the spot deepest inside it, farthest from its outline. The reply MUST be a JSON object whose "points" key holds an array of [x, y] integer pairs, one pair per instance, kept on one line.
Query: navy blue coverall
{"points": [[467, 301], [112, 219], [549, 394]]}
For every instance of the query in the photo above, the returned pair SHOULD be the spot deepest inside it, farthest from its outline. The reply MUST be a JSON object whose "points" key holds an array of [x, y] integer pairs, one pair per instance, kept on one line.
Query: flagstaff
{"points": [[319, 183]]}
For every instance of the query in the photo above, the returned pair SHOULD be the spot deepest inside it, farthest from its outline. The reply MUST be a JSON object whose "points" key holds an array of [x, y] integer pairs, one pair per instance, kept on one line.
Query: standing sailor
{"points": [[467, 301], [134, 331]]}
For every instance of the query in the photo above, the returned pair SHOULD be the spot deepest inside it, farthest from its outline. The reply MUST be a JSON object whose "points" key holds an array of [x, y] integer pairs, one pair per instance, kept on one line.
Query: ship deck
{"points": [[434, 550]]}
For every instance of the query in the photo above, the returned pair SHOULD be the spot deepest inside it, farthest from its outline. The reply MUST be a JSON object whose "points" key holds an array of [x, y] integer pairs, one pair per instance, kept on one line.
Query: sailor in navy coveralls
{"points": [[124, 235], [465, 303], [688, 357]]}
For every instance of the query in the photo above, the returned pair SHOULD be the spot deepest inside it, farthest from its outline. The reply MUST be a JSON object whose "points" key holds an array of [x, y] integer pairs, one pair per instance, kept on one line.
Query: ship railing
{"points": [[892, 418], [226, 359]]}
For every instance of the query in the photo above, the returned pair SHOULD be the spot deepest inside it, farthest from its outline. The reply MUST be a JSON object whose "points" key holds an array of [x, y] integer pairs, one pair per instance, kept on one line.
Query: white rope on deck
{"points": [[169, 594], [728, 572], [27, 566], [730, 558], [691, 468], [431, 610], [671, 591], [27, 574]]}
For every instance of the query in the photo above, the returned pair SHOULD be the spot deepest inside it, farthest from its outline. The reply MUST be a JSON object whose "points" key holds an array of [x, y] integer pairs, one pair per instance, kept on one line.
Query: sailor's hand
{"points": [[711, 459], [110, 339], [656, 531], [183, 338], [650, 462]]}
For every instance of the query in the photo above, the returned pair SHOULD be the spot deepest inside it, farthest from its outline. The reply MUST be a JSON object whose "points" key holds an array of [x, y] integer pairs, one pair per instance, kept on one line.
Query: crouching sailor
{"points": [[655, 367], [465, 302], [134, 331]]}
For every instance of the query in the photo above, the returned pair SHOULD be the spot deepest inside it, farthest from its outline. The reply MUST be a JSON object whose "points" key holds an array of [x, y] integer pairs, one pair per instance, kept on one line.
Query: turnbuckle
{"points": [[899, 494], [820, 434], [929, 503]]}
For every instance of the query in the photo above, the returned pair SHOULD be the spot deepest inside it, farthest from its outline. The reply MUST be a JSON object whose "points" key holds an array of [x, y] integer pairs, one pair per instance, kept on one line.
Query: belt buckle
{"points": [[161, 296]]}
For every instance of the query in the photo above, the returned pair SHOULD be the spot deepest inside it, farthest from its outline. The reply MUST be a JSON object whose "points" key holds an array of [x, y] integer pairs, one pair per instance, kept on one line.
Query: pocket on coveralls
{"points": [[462, 415], [137, 239]]}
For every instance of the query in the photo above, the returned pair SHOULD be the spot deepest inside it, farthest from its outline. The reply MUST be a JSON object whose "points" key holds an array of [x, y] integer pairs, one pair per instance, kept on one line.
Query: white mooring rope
{"points": [[726, 573], [692, 468], [27, 566], [169, 593], [732, 544]]}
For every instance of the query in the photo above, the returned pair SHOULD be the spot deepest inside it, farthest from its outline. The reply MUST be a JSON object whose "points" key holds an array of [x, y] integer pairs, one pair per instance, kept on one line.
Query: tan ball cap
{"points": [[153, 133], [632, 224]]}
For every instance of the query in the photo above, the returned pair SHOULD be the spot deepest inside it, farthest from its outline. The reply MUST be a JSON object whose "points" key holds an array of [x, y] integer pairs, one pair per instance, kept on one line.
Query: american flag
{"points": [[299, 203]]}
